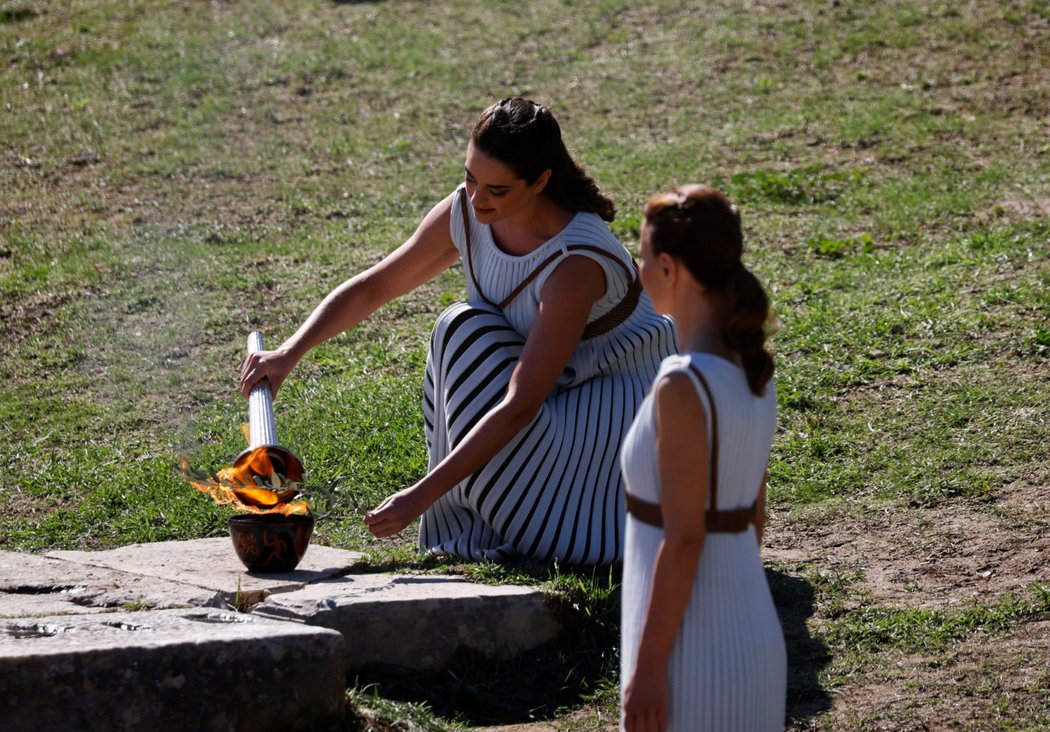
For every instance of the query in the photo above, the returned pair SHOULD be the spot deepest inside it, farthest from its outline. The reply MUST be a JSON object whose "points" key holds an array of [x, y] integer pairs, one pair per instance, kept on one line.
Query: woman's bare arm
{"points": [[565, 303], [683, 459]]}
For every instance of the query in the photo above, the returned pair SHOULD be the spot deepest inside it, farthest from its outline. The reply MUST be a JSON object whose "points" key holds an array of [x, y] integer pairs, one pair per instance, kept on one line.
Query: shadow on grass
{"points": [[795, 599], [17, 15], [537, 686]]}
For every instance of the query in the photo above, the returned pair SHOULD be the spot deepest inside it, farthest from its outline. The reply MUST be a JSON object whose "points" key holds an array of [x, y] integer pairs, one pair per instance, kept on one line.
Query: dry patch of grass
{"points": [[984, 683], [932, 557]]}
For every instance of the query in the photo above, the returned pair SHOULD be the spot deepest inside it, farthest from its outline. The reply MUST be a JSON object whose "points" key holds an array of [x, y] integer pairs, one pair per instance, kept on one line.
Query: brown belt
{"points": [[716, 522]]}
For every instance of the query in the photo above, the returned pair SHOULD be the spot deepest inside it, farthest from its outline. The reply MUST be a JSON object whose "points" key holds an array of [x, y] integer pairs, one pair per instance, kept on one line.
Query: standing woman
{"points": [[702, 647], [531, 384]]}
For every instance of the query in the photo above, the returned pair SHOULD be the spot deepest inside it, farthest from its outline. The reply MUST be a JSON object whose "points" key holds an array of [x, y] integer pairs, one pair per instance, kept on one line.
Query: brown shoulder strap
{"points": [[466, 235], [602, 325], [546, 262], [716, 521], [525, 282]]}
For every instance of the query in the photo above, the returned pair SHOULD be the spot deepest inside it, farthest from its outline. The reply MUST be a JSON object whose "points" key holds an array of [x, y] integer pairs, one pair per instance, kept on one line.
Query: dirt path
{"points": [[924, 557]]}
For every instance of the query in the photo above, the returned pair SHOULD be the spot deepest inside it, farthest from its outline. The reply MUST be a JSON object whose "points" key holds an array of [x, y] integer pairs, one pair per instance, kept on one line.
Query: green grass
{"points": [[922, 630], [174, 176]]}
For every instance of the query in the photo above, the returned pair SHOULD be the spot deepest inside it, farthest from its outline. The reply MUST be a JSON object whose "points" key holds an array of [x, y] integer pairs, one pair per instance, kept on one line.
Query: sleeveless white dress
{"points": [[555, 492], [728, 669]]}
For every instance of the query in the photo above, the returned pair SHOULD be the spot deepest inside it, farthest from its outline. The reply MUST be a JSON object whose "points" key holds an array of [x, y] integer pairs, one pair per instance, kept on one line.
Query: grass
{"points": [[176, 176], [921, 630]]}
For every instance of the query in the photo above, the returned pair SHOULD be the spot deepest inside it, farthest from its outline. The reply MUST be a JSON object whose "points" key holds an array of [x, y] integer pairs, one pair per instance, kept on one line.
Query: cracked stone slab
{"points": [[198, 669], [419, 621], [35, 585], [213, 565]]}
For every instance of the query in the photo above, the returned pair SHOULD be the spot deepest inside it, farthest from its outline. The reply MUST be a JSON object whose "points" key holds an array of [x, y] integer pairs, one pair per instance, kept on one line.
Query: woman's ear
{"points": [[541, 181], [668, 266]]}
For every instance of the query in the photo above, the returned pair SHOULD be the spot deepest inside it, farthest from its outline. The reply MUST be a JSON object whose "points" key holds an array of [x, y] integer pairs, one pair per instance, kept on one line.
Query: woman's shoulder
{"points": [[705, 361], [672, 363], [460, 215], [722, 375], [710, 365], [459, 201], [590, 231], [590, 228], [458, 197]]}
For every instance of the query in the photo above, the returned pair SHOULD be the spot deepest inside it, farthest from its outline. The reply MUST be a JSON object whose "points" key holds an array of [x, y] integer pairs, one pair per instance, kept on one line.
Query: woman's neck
{"points": [[529, 229], [700, 330]]}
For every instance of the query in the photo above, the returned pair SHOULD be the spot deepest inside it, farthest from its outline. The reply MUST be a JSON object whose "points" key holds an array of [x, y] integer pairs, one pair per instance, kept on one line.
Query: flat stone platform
{"points": [[197, 669], [418, 621], [211, 565], [147, 636]]}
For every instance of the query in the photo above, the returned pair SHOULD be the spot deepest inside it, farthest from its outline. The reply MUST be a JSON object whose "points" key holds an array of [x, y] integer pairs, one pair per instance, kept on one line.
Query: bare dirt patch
{"points": [[1026, 208], [984, 683], [921, 557]]}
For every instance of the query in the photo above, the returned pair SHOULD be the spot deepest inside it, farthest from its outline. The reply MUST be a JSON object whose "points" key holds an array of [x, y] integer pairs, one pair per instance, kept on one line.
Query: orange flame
{"points": [[237, 487]]}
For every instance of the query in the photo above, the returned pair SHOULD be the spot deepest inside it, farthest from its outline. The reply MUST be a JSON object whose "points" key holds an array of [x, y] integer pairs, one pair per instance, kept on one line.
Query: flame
{"points": [[237, 486]]}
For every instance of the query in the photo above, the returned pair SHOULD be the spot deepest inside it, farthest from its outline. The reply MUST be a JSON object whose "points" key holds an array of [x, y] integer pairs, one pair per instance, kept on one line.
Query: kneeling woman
{"points": [[531, 384], [702, 644]]}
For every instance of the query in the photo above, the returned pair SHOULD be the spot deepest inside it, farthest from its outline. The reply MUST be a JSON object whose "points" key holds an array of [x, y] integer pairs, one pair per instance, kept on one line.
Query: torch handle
{"points": [[262, 427]]}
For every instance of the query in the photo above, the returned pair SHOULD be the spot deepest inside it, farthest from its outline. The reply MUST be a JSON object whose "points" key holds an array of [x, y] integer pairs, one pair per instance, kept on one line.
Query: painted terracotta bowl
{"points": [[270, 542]]}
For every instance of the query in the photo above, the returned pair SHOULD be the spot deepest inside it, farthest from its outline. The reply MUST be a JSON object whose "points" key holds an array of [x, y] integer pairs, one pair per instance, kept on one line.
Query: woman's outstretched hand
{"points": [[274, 366], [395, 513], [645, 703]]}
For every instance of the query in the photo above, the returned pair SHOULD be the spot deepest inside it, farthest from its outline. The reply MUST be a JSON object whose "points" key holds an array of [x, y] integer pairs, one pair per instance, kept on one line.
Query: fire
{"points": [[250, 486]]}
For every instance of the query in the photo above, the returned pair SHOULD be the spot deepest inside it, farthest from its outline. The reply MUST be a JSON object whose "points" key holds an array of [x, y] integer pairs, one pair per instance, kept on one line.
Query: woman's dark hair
{"points": [[526, 138], [700, 227]]}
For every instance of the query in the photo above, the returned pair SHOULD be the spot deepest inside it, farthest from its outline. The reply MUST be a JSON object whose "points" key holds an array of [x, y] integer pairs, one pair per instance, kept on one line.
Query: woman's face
{"points": [[651, 272], [494, 190]]}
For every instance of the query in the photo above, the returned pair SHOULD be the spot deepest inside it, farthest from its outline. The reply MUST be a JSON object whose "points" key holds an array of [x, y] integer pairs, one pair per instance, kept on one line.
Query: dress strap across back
{"points": [[715, 521]]}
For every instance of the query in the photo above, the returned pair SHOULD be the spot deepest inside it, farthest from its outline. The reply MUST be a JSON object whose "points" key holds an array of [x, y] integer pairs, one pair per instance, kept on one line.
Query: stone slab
{"points": [[37, 585], [213, 565], [198, 669], [418, 621]]}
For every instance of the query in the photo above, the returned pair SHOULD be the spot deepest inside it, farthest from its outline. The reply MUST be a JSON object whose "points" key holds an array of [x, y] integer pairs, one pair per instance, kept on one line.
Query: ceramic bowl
{"points": [[270, 542]]}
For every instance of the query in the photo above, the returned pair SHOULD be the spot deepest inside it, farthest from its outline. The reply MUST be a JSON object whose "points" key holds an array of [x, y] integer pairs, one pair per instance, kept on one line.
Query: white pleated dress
{"points": [[555, 492], [728, 669]]}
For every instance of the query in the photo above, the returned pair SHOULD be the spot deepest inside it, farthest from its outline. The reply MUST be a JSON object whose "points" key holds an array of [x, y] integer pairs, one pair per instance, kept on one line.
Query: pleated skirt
{"points": [[555, 492], [728, 668]]}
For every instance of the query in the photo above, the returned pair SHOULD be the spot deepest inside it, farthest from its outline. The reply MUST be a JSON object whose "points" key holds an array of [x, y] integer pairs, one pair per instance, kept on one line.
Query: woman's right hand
{"points": [[274, 366], [645, 702], [396, 512]]}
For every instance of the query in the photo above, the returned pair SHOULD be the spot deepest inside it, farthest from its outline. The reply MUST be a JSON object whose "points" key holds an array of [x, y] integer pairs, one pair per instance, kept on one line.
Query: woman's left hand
{"points": [[645, 703], [395, 513]]}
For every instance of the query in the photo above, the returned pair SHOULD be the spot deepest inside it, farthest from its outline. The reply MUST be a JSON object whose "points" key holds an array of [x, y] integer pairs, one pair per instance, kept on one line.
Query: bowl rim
{"points": [[270, 518]]}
